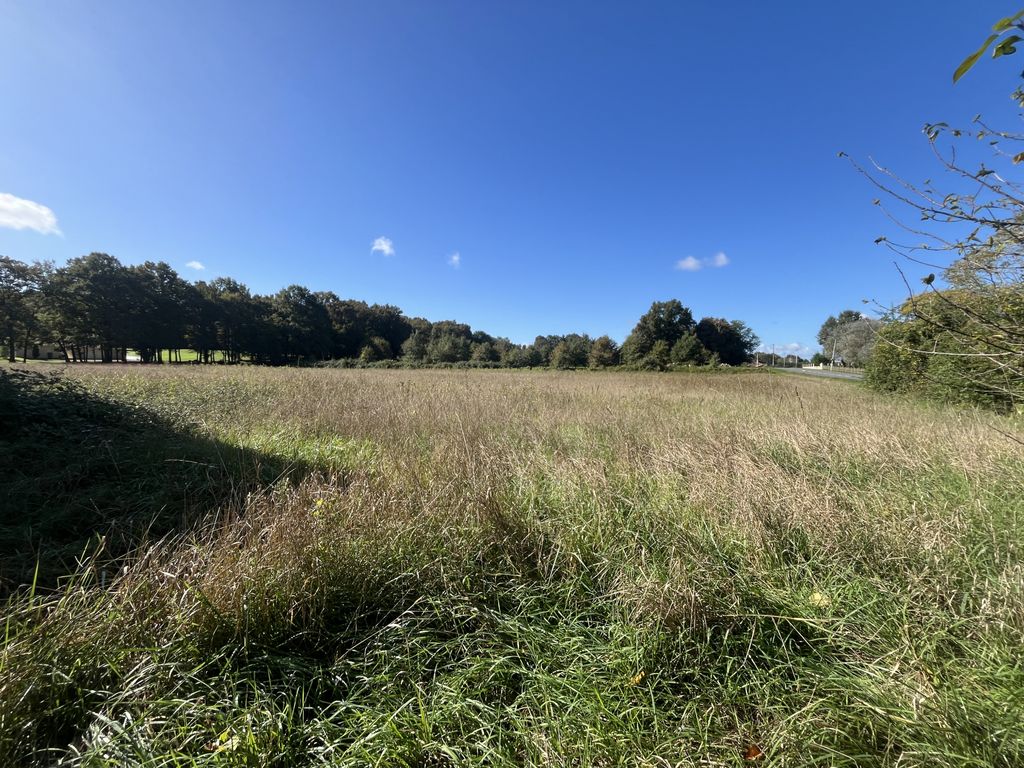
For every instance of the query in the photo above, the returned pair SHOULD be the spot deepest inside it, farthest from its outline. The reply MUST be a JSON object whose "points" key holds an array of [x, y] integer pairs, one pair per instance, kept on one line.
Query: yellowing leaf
{"points": [[638, 677]]}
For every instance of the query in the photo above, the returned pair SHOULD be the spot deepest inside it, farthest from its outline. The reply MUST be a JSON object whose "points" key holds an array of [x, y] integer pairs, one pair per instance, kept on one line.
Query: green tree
{"points": [[91, 304], [604, 353], [18, 284], [448, 348], [162, 305], [659, 357], [484, 352], [855, 341], [240, 325], [829, 329], [571, 352], [665, 321], [416, 346], [543, 346], [689, 351], [731, 342], [376, 348], [304, 322]]}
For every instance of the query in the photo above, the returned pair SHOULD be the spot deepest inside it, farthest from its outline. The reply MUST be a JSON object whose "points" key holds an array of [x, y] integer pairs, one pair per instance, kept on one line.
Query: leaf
{"points": [[638, 677], [1006, 47], [752, 752], [971, 60], [1018, 158], [1005, 23]]}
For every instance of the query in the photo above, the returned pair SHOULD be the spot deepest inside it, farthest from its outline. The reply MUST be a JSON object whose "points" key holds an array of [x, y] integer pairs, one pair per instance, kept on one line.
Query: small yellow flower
{"points": [[818, 600]]}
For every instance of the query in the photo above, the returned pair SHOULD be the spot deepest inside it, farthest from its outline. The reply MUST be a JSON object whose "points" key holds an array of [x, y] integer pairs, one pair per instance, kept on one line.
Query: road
{"points": [[824, 373]]}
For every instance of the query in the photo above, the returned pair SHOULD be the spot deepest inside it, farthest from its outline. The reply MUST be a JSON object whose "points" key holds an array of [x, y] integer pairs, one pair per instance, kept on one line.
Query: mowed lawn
{"points": [[447, 568]]}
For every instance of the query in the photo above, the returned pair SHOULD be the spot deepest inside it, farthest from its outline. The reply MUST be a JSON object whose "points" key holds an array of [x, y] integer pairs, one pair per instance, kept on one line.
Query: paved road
{"points": [[824, 373]]}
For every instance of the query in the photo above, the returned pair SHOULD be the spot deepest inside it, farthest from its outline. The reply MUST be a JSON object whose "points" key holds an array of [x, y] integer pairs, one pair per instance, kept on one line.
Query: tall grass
{"points": [[499, 568]]}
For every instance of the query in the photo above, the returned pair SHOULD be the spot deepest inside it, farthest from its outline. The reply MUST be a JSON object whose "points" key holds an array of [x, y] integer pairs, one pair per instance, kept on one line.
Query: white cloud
{"points": [[383, 245], [16, 213], [455, 260], [195, 265], [689, 264], [792, 348], [693, 264]]}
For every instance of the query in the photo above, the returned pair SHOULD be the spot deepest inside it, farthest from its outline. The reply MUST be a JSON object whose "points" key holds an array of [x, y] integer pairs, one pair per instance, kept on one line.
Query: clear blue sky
{"points": [[572, 153]]}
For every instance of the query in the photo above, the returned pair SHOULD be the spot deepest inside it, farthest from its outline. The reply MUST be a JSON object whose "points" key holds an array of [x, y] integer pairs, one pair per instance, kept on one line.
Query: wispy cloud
{"points": [[196, 265], [792, 348], [17, 213], [693, 264], [383, 245], [455, 260], [689, 264]]}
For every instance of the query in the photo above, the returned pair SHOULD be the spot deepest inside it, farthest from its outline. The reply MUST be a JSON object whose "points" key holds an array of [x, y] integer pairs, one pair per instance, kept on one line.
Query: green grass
{"points": [[495, 568]]}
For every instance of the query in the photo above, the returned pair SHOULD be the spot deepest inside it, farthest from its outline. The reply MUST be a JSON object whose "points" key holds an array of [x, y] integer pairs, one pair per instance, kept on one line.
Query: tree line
{"points": [[96, 308]]}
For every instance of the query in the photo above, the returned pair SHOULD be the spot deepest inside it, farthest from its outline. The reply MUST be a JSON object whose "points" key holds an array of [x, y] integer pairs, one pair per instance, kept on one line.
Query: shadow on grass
{"points": [[78, 471]]}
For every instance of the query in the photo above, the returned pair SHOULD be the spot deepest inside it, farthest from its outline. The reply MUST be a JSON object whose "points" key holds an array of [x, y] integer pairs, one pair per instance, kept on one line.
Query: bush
{"points": [[941, 346]]}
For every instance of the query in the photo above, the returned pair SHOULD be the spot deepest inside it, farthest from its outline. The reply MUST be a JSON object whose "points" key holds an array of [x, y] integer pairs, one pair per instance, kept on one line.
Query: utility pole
{"points": [[832, 360], [773, 355]]}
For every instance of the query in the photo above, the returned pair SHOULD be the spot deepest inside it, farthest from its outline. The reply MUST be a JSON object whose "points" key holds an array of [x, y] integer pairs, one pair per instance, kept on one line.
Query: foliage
{"points": [[573, 351], [963, 341], [650, 345], [941, 345], [665, 321], [827, 332], [97, 308], [731, 341], [604, 353], [689, 350], [849, 337], [18, 285], [1004, 47]]}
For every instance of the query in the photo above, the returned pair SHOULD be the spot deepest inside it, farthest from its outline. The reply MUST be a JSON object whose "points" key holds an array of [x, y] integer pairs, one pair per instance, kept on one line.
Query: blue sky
{"points": [[574, 155]]}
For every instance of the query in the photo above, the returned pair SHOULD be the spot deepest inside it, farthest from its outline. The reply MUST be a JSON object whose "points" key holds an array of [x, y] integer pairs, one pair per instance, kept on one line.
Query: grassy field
{"points": [[446, 568]]}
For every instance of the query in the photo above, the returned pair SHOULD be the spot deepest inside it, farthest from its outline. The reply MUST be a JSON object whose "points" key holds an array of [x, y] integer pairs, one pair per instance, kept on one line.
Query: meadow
{"points": [[281, 567]]}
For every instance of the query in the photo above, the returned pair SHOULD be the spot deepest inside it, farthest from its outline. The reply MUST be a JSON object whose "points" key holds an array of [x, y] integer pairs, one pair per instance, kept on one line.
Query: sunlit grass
{"points": [[500, 568]]}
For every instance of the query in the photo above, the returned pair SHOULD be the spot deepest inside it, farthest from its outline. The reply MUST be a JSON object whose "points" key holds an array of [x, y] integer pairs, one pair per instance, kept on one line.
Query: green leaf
{"points": [[1004, 24], [971, 60], [1006, 47]]}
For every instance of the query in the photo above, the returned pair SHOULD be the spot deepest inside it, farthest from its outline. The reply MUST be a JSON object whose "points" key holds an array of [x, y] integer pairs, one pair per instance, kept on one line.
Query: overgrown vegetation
{"points": [[961, 337], [501, 568]]}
